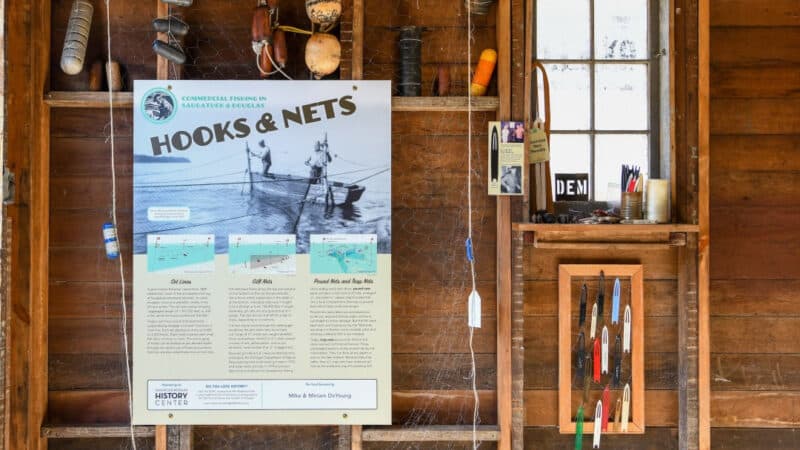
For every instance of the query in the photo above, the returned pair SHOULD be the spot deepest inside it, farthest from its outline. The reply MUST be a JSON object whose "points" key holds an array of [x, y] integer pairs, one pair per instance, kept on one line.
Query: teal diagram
{"points": [[272, 254], [344, 253], [180, 253]]}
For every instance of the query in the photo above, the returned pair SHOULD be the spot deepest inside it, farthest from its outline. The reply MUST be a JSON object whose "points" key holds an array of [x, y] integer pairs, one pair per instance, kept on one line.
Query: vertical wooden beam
{"points": [[179, 437], [521, 31], [4, 242], [352, 437], [703, 195], [518, 344], [355, 438], [528, 107], [161, 437], [358, 40], [504, 396], [344, 437], [18, 93], [40, 222], [687, 345], [346, 40], [162, 65]]}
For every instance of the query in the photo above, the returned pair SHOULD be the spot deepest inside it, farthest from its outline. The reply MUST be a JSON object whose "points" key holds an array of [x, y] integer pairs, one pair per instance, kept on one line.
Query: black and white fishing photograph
{"points": [[326, 177]]}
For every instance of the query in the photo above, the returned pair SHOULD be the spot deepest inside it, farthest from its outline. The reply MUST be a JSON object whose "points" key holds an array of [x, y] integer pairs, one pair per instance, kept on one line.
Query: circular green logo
{"points": [[159, 105]]}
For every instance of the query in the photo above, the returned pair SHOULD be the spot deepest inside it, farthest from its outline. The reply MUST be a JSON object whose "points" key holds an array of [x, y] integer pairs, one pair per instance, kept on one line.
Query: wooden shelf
{"points": [[444, 103], [95, 431], [601, 230], [67, 99], [606, 237], [442, 433]]}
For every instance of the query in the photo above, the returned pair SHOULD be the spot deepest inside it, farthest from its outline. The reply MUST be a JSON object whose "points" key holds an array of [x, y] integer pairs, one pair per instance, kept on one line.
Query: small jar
{"points": [[630, 207]]}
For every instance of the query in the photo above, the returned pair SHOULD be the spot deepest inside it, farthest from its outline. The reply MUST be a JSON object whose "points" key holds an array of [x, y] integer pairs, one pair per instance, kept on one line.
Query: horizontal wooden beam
{"points": [[65, 99], [444, 103], [95, 431], [601, 230], [432, 433], [560, 245]]}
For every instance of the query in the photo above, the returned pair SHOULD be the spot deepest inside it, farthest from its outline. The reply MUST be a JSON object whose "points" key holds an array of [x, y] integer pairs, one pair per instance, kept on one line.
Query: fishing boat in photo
{"points": [[312, 190], [316, 188]]}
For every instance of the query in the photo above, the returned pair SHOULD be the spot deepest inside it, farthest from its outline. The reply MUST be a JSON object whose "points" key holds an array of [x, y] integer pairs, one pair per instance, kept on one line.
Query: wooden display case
{"points": [[570, 390]]}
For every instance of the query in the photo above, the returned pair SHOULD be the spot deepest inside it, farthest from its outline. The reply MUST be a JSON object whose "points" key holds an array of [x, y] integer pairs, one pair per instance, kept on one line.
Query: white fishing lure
{"points": [[626, 332], [604, 350], [626, 407], [594, 321], [598, 420]]}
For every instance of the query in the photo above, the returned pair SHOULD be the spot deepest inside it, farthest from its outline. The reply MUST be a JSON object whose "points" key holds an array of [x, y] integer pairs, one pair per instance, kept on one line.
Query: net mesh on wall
{"points": [[431, 373]]}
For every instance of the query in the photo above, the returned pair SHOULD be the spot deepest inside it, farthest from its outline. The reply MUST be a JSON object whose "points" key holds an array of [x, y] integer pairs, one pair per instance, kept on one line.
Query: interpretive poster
{"points": [[506, 156], [262, 252]]}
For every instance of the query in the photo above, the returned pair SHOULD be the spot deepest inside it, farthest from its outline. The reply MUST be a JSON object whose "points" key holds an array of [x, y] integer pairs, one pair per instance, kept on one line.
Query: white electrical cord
{"points": [[119, 239], [473, 374]]}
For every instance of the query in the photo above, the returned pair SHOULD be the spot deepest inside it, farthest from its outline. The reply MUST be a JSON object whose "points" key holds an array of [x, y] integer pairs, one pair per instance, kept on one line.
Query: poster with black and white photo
{"points": [[506, 157], [262, 252]]}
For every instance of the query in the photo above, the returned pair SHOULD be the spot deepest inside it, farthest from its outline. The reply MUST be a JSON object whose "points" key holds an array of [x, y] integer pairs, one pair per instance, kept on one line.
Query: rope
{"points": [[475, 411], [121, 259]]}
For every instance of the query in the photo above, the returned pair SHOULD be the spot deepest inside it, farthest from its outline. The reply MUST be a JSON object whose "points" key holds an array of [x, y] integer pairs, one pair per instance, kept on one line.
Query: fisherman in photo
{"points": [[266, 158], [319, 168]]}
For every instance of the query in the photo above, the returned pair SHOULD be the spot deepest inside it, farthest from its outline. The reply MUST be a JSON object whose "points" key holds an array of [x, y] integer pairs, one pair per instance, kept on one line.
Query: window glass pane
{"points": [[569, 96], [562, 29], [569, 153], [620, 29], [611, 152], [621, 97]]}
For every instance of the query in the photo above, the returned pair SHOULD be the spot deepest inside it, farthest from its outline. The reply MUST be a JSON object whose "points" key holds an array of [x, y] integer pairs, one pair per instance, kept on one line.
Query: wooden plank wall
{"points": [[430, 276], [755, 223], [541, 345]]}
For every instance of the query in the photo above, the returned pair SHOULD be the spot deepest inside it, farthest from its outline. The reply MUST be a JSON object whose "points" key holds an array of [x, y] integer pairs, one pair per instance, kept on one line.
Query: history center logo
{"points": [[159, 105]]}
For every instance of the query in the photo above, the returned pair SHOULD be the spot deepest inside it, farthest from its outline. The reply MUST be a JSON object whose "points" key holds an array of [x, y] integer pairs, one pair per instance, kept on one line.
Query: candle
{"points": [[658, 200]]}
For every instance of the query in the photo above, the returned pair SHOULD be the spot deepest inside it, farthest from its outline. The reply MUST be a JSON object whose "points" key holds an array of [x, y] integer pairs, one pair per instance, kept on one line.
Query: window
{"points": [[604, 87]]}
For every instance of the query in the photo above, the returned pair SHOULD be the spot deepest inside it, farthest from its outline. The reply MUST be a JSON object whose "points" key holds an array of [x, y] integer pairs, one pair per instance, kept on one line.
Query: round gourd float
{"points": [[323, 53], [324, 13]]}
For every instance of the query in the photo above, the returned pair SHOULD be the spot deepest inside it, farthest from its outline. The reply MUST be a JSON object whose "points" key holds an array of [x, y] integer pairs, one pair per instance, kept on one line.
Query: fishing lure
{"points": [[594, 321], [580, 357], [601, 294], [617, 360], [615, 303], [604, 339], [598, 420], [626, 330], [626, 407], [596, 358], [582, 314], [587, 379]]}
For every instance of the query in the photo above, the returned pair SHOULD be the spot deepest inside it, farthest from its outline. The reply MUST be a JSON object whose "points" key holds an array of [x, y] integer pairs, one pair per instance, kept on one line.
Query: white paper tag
{"points": [[474, 311]]}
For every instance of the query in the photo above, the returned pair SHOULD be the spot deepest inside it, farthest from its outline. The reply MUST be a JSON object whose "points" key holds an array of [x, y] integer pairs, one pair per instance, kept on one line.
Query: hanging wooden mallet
{"points": [[77, 37]]}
